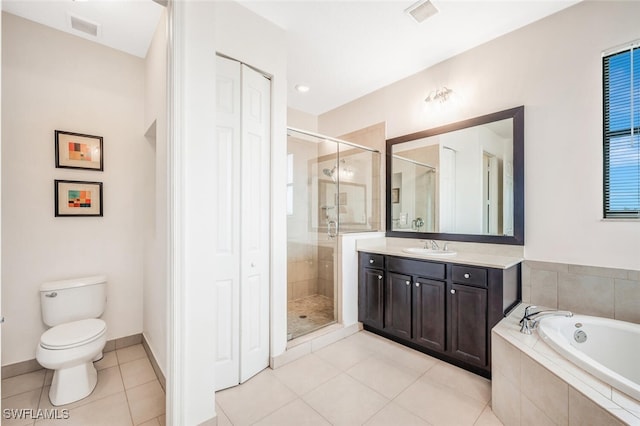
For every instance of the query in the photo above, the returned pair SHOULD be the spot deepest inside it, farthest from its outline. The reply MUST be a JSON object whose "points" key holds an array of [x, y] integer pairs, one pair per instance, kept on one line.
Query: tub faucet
{"points": [[530, 320]]}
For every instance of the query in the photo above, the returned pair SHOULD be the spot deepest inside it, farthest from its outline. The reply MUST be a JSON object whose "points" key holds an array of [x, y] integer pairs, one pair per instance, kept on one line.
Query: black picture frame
{"points": [[86, 154], [64, 194]]}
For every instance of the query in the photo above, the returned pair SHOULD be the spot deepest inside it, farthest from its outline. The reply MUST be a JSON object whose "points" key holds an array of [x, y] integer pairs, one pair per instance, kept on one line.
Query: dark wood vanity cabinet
{"points": [[443, 309], [371, 290]]}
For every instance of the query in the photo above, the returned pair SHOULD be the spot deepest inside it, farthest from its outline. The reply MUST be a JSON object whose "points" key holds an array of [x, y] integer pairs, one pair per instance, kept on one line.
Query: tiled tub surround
{"points": [[533, 384], [603, 292]]}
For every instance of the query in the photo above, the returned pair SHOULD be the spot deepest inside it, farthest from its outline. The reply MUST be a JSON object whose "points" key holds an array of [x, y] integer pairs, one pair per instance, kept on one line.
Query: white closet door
{"points": [[226, 270], [254, 223]]}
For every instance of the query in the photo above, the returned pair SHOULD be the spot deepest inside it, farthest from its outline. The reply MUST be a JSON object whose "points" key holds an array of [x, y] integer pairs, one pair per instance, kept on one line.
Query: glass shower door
{"points": [[312, 229]]}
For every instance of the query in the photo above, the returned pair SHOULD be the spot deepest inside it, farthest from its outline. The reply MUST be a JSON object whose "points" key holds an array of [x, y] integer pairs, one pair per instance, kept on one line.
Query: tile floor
{"points": [[309, 313], [362, 379], [128, 393]]}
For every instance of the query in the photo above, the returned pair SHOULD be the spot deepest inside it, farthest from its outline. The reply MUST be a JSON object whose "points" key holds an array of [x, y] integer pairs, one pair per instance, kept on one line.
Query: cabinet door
{"points": [[429, 313], [397, 306], [371, 297], [468, 307]]}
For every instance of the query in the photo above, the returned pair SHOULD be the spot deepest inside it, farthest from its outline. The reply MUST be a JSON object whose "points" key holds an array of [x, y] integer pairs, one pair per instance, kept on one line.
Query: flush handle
{"points": [[54, 294]]}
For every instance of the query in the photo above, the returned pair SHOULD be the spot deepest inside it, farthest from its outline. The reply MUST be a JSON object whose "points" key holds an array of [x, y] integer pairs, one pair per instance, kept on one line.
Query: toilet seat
{"points": [[73, 334]]}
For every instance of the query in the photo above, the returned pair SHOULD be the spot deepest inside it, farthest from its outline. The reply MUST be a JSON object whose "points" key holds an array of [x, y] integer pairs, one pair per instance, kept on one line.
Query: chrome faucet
{"points": [[530, 320], [434, 245]]}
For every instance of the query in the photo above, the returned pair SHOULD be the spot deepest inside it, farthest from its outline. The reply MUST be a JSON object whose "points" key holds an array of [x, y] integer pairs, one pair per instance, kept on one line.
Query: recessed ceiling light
{"points": [[302, 88]]}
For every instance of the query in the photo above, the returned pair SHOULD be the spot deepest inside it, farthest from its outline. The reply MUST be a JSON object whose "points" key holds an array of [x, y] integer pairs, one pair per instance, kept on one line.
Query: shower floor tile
{"points": [[308, 314]]}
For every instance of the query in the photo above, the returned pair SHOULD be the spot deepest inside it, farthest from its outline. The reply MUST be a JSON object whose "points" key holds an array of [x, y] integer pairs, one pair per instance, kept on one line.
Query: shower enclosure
{"points": [[333, 187], [413, 196]]}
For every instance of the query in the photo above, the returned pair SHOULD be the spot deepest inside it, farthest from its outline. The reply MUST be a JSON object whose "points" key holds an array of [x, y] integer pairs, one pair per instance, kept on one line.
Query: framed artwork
{"points": [[78, 151], [395, 195], [78, 198]]}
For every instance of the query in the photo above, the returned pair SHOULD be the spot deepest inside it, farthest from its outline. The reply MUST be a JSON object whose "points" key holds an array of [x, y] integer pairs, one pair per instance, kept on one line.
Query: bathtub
{"points": [[606, 348]]}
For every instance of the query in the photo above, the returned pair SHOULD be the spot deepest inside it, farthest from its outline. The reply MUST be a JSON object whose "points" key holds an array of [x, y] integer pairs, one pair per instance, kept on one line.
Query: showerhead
{"points": [[328, 172]]}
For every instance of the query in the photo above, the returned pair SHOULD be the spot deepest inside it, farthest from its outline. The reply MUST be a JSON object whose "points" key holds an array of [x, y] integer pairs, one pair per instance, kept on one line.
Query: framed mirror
{"points": [[459, 182]]}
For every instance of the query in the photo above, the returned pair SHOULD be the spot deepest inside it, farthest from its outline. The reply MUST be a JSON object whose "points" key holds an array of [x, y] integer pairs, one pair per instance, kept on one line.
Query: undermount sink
{"points": [[428, 251]]}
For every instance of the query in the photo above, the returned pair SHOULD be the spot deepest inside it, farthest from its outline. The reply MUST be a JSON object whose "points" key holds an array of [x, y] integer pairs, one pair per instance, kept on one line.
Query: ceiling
{"points": [[341, 49], [126, 25]]}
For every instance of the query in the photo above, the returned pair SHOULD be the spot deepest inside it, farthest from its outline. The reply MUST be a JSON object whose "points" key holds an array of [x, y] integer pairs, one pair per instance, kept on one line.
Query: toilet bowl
{"points": [[76, 338]]}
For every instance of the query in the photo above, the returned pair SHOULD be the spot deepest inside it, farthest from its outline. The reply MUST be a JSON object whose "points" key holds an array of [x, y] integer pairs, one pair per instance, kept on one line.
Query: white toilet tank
{"points": [[73, 300]]}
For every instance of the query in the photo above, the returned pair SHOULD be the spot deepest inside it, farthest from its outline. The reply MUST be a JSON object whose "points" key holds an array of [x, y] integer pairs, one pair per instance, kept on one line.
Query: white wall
{"points": [[155, 241], [553, 68], [52, 81]]}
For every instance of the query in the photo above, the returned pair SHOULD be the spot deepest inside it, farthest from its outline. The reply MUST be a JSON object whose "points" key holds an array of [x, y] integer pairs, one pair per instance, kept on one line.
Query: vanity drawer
{"points": [[370, 260], [416, 267], [469, 275]]}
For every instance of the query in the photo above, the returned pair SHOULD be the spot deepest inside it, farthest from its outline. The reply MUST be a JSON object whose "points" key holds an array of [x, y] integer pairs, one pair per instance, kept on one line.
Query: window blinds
{"points": [[621, 75]]}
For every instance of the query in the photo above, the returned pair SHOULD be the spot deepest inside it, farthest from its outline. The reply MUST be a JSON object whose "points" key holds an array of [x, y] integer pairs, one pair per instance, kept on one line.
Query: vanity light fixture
{"points": [[302, 88], [440, 96]]}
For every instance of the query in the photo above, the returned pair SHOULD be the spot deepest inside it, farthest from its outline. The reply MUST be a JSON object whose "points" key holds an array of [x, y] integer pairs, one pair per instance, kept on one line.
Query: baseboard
{"points": [[154, 363], [31, 365]]}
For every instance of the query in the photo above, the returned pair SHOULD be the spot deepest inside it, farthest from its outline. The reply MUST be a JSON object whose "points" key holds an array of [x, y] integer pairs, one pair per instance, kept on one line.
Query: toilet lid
{"points": [[72, 334]]}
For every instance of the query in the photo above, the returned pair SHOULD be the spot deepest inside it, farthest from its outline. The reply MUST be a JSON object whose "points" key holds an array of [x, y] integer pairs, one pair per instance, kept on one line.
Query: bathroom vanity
{"points": [[444, 307]]}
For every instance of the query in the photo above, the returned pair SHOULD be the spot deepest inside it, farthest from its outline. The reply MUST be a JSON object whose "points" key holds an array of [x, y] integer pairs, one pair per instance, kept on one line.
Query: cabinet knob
{"points": [[379, 277], [370, 260], [453, 291], [417, 284], [467, 275], [408, 282]]}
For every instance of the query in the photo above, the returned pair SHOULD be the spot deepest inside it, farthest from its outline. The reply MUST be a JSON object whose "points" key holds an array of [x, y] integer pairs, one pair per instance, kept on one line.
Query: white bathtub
{"points": [[611, 351]]}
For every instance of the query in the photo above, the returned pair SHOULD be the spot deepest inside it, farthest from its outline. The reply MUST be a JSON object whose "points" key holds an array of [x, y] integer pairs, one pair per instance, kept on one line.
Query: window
{"points": [[621, 78]]}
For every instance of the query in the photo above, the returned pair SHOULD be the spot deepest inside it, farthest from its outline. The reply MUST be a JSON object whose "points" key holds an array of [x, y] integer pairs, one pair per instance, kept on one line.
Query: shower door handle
{"points": [[332, 229]]}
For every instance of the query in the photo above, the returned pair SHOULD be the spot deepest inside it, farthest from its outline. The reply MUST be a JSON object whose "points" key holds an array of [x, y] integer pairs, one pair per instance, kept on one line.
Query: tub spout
{"points": [[530, 320]]}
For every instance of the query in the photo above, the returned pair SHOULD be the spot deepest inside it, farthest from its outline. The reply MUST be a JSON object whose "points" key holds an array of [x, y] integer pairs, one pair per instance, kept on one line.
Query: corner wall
{"points": [[553, 68], [155, 240], [52, 80]]}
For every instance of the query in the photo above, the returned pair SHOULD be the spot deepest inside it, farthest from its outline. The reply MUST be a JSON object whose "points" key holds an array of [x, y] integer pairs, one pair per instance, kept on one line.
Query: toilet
{"points": [[76, 337]]}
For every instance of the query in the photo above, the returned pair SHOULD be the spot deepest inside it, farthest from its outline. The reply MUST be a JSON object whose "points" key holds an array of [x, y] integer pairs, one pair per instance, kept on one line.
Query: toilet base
{"points": [[73, 383]]}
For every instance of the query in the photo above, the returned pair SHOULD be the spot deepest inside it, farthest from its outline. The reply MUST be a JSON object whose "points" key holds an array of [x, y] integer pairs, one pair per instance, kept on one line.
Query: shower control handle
{"points": [[54, 294], [332, 229]]}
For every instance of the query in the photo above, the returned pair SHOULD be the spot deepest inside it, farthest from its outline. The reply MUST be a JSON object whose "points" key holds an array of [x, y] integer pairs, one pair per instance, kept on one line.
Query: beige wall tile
{"points": [[110, 346], [127, 341], [544, 288], [505, 399], [532, 415], [505, 359], [19, 368], [598, 271], [582, 411], [584, 294], [526, 274], [548, 266], [627, 301], [633, 275], [544, 389]]}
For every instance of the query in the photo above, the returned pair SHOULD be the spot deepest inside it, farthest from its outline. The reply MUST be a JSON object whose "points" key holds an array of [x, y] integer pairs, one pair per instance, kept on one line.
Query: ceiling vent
{"points": [[84, 26], [421, 10]]}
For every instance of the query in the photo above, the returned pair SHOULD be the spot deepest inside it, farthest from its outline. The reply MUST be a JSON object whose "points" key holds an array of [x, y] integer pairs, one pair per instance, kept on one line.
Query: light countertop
{"points": [[461, 257]]}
